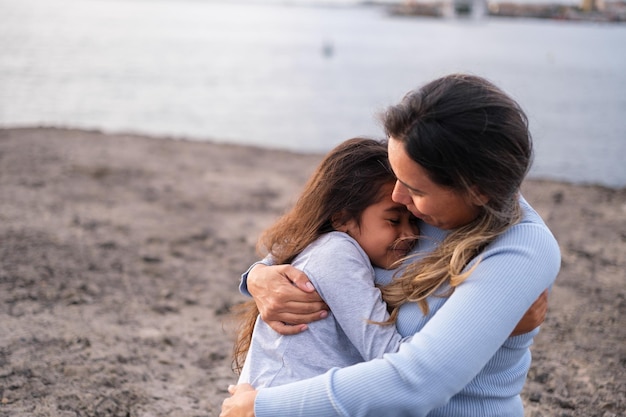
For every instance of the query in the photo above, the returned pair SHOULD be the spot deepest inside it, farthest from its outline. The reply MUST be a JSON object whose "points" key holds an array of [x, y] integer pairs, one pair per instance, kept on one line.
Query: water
{"points": [[260, 74]]}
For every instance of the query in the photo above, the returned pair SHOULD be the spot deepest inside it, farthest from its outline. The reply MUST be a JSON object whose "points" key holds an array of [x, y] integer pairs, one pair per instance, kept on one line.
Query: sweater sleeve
{"points": [[344, 277], [243, 282], [447, 353]]}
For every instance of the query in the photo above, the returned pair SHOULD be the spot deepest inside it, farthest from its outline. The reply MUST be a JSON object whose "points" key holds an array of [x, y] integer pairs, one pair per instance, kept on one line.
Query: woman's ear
{"points": [[478, 198]]}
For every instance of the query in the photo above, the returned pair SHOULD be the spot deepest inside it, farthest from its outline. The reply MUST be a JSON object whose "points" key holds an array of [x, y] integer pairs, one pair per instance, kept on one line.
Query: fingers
{"points": [[287, 329], [241, 403], [298, 279], [535, 315], [235, 389], [540, 304], [284, 294], [289, 296], [295, 314], [279, 306], [274, 282]]}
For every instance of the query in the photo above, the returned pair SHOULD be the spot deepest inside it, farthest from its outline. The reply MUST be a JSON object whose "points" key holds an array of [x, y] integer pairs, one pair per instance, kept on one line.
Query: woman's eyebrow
{"points": [[408, 186]]}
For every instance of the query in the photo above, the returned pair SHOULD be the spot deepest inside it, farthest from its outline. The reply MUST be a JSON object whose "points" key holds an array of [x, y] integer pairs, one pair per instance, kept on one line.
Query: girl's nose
{"points": [[408, 230]]}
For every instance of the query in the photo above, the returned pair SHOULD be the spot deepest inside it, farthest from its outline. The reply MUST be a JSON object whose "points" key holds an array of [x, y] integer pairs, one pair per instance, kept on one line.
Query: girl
{"points": [[344, 222]]}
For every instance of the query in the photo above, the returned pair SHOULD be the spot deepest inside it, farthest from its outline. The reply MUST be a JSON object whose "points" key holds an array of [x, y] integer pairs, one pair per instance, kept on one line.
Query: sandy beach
{"points": [[120, 258]]}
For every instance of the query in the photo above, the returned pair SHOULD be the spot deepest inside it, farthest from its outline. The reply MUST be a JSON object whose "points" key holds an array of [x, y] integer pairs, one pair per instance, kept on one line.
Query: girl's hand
{"points": [[535, 315], [285, 297], [241, 402]]}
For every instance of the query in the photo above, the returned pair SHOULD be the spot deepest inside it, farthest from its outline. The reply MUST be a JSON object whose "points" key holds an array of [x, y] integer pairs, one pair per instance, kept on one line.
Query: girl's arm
{"points": [[344, 277]]}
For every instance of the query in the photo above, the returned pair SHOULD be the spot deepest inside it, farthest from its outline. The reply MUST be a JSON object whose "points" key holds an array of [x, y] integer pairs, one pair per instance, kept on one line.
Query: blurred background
{"points": [[305, 75]]}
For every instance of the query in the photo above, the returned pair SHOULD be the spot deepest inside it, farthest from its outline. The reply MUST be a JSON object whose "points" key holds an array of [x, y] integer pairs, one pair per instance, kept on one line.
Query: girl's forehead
{"points": [[387, 204], [385, 191]]}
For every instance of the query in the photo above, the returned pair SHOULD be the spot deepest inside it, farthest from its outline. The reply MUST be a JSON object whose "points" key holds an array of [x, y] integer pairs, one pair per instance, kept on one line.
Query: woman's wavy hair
{"points": [[472, 138], [348, 180]]}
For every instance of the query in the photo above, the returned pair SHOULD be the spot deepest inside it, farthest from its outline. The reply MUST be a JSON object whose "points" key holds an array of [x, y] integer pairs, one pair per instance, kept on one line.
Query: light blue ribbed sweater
{"points": [[461, 360]]}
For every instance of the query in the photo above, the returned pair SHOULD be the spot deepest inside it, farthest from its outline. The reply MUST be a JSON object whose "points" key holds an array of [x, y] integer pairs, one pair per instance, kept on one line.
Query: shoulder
{"points": [[531, 231], [332, 252], [333, 244], [528, 245]]}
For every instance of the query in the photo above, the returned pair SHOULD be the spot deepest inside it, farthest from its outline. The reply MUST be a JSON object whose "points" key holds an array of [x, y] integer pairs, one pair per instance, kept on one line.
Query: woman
{"points": [[459, 148]]}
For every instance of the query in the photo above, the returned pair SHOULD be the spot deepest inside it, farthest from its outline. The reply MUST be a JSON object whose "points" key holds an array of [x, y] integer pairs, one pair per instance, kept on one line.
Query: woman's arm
{"points": [[284, 294], [242, 404], [445, 355]]}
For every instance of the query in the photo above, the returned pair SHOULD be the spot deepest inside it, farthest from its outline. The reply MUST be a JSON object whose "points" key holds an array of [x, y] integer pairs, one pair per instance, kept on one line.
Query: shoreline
{"points": [[609, 12], [212, 141], [120, 258]]}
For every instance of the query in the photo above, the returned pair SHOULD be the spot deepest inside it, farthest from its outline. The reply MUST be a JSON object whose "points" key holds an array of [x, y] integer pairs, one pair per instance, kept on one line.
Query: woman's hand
{"points": [[535, 315], [285, 297], [241, 402]]}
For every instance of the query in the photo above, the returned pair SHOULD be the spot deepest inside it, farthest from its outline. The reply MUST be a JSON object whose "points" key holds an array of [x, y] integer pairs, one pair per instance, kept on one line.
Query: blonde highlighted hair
{"points": [[472, 138]]}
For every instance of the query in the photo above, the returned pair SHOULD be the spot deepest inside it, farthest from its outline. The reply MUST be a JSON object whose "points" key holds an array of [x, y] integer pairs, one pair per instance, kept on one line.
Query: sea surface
{"points": [[304, 77]]}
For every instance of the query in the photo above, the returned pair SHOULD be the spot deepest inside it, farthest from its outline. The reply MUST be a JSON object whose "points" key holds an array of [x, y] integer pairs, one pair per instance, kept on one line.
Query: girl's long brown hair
{"points": [[346, 182]]}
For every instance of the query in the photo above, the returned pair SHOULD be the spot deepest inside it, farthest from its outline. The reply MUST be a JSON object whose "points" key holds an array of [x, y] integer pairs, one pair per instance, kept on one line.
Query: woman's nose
{"points": [[399, 194]]}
